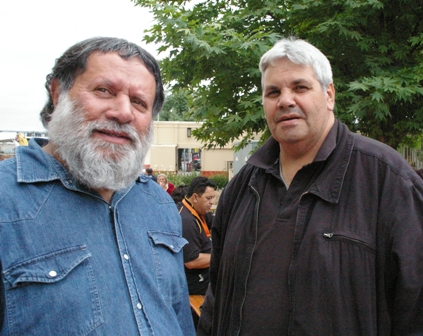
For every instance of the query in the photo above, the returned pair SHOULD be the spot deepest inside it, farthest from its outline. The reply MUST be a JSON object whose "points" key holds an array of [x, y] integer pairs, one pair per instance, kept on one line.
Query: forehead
{"points": [[112, 65], [109, 70], [209, 191], [99, 60], [282, 68]]}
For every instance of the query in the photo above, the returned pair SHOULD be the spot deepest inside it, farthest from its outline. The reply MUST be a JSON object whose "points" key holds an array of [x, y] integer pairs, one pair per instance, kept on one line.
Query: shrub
{"points": [[186, 179], [220, 180], [178, 179]]}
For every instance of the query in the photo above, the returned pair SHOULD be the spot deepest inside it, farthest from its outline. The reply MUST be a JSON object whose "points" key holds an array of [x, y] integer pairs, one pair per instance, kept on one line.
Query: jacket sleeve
{"points": [[403, 273]]}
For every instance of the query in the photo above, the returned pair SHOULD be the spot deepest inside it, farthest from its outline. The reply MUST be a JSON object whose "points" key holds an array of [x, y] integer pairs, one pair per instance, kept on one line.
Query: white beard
{"points": [[94, 162]]}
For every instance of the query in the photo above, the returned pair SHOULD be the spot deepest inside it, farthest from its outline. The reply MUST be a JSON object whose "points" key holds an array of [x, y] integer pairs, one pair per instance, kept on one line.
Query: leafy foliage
{"points": [[181, 179], [176, 107], [220, 180], [213, 49], [375, 48], [186, 179]]}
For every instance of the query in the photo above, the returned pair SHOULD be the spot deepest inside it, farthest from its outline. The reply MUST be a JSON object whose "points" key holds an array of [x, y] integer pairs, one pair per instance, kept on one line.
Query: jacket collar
{"points": [[329, 184], [335, 152]]}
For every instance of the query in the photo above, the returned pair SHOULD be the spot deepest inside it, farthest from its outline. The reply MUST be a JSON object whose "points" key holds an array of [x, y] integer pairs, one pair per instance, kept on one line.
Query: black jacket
{"points": [[357, 263]]}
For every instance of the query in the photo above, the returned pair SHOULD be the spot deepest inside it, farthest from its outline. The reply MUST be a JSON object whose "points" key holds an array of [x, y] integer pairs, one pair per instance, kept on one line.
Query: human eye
{"points": [[139, 103], [273, 93], [103, 91], [301, 88]]}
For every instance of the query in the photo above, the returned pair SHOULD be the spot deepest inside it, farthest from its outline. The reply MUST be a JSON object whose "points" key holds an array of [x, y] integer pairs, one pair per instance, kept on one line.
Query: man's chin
{"points": [[113, 152], [111, 156]]}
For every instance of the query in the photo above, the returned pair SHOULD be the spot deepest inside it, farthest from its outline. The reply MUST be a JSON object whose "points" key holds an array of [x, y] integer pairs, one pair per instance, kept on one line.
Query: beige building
{"points": [[175, 149]]}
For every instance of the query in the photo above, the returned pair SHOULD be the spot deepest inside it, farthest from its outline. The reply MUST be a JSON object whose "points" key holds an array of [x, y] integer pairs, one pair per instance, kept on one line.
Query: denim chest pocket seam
{"points": [[172, 241], [165, 246], [40, 285], [46, 268]]}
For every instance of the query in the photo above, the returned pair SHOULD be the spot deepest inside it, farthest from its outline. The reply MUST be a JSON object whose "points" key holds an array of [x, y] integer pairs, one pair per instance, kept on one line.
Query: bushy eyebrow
{"points": [[271, 87], [295, 82], [301, 81], [140, 96], [106, 81]]}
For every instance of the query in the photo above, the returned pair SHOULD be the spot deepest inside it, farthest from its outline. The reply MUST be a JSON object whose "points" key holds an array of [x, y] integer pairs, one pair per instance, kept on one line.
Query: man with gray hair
{"points": [[321, 232], [89, 245]]}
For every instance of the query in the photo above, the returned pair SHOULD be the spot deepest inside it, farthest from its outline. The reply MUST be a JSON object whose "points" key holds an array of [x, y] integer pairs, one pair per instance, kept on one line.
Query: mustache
{"points": [[289, 112], [114, 127]]}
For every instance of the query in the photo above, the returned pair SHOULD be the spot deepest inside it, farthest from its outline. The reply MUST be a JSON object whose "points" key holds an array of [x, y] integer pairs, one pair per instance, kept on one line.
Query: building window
{"points": [[189, 132]]}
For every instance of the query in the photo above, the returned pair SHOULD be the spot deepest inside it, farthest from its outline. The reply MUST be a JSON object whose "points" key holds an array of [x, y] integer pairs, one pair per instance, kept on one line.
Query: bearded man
{"points": [[88, 244]]}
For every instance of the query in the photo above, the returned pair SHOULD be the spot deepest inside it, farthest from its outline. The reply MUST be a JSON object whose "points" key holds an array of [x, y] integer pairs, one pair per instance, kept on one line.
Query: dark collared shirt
{"points": [[267, 285]]}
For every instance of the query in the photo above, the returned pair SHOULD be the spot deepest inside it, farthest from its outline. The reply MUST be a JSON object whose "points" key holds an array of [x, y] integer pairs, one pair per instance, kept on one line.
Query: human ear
{"points": [[55, 91], [330, 95]]}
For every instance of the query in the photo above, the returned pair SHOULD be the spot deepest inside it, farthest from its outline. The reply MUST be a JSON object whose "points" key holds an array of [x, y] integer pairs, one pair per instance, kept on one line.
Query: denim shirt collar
{"points": [[35, 165]]}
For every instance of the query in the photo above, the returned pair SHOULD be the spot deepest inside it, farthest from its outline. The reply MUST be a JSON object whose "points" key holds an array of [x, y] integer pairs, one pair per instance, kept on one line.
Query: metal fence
{"points": [[413, 156]]}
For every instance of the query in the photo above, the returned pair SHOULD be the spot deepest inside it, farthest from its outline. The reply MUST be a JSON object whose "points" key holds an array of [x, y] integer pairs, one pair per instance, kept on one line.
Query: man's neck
{"points": [[289, 167], [105, 194], [293, 157], [190, 201]]}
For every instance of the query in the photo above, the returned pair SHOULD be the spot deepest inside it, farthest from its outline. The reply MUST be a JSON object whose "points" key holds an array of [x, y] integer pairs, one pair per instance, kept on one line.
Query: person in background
{"points": [[163, 182], [149, 172], [89, 245], [195, 229], [21, 139], [321, 232], [179, 193]]}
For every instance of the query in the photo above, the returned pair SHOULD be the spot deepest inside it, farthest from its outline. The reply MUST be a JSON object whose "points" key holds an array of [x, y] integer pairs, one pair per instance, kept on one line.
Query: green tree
{"points": [[175, 108], [376, 51], [375, 47]]}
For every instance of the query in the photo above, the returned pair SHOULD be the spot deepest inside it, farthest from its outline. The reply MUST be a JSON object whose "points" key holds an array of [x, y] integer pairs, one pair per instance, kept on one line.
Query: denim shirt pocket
{"points": [[53, 293], [167, 252]]}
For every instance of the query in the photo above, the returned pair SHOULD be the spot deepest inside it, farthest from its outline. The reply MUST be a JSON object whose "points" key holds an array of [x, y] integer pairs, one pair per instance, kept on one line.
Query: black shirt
{"points": [[198, 242], [266, 306]]}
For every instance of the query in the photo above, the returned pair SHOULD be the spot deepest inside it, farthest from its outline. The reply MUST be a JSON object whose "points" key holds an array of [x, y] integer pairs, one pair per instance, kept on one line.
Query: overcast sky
{"points": [[36, 32]]}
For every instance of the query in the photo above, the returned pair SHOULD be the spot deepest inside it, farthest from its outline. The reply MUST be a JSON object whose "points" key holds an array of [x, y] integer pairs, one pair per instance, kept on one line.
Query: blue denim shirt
{"points": [[73, 264]]}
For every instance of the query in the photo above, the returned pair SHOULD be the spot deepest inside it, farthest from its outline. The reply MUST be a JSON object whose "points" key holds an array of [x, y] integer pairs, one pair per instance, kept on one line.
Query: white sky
{"points": [[36, 32]]}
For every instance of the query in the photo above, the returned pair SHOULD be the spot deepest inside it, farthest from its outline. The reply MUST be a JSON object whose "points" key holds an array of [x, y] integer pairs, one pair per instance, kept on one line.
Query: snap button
{"points": [[126, 257], [139, 306], [52, 274]]}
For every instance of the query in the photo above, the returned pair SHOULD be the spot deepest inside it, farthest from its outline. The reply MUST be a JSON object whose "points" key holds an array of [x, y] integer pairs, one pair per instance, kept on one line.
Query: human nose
{"points": [[121, 110], [286, 99]]}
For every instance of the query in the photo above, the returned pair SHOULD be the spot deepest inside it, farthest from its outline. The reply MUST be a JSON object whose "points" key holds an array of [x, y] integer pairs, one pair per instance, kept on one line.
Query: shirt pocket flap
{"points": [[172, 241], [47, 268]]}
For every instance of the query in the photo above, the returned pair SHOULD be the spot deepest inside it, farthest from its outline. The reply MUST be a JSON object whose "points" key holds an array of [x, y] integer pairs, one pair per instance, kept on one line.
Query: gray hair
{"points": [[302, 53], [74, 61]]}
